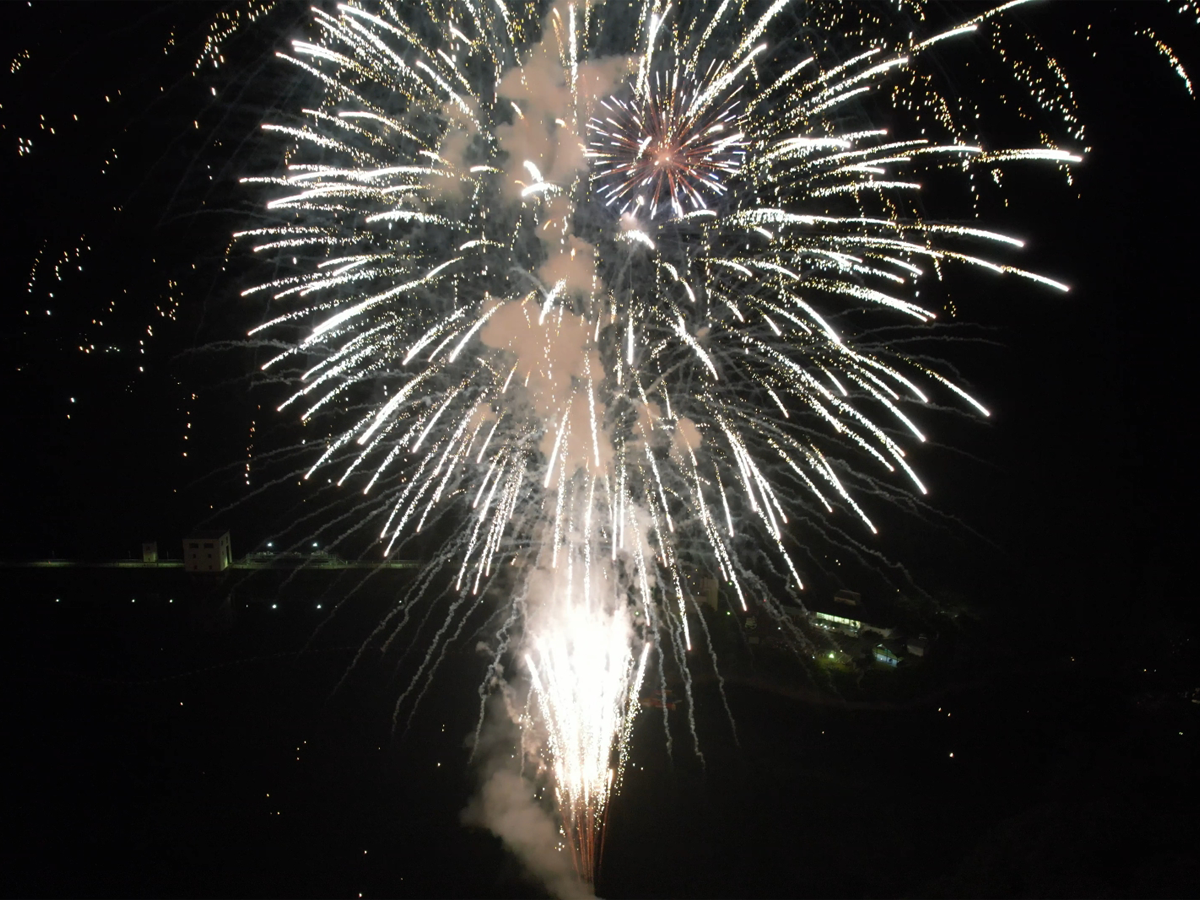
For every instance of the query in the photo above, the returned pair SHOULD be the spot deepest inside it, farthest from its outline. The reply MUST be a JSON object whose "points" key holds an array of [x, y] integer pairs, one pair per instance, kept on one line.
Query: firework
{"points": [[665, 148], [576, 286]]}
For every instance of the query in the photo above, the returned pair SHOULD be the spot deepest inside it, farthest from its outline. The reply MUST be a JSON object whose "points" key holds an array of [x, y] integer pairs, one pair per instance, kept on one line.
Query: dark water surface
{"points": [[152, 753]]}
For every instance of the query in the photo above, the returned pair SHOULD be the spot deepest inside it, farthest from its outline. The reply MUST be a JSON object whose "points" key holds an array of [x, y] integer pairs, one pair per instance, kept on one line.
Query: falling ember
{"points": [[590, 294]]}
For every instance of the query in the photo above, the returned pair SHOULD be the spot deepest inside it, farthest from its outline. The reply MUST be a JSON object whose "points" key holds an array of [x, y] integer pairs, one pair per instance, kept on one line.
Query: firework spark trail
{"points": [[579, 283], [586, 688]]}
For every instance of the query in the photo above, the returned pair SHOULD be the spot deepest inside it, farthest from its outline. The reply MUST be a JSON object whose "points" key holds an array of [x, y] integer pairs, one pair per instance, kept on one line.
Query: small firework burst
{"points": [[665, 149]]}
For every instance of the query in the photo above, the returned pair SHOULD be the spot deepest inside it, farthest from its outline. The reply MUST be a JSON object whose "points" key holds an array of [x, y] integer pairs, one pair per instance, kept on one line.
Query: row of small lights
{"points": [[172, 600]]}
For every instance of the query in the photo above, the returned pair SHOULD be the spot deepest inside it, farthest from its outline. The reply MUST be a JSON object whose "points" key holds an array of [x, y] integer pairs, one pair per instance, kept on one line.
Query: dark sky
{"points": [[1081, 482], [122, 215]]}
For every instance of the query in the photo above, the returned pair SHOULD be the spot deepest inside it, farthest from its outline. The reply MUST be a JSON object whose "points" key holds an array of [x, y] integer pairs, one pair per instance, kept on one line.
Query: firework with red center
{"points": [[666, 150]]}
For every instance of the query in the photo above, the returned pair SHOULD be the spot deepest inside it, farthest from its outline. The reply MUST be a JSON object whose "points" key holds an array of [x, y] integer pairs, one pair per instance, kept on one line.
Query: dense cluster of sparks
{"points": [[667, 148], [586, 689], [570, 279]]}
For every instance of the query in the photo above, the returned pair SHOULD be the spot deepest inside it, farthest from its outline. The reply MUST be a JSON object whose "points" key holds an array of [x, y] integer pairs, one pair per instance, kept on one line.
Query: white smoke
{"points": [[579, 631], [555, 349], [506, 806]]}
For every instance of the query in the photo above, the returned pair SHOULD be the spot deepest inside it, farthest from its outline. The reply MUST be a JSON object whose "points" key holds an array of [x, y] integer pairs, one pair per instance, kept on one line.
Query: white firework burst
{"points": [[577, 285]]}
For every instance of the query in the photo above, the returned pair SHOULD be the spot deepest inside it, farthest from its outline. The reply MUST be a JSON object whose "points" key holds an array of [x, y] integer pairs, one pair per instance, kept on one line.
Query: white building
{"points": [[849, 615], [831, 622], [207, 551]]}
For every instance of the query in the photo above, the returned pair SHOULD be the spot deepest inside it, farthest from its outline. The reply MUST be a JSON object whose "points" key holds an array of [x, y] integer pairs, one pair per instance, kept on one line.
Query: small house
{"points": [[207, 551], [918, 646], [883, 654]]}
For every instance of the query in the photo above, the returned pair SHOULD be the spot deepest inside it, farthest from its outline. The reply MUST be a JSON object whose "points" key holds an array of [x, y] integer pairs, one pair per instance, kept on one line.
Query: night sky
{"points": [[156, 756]]}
